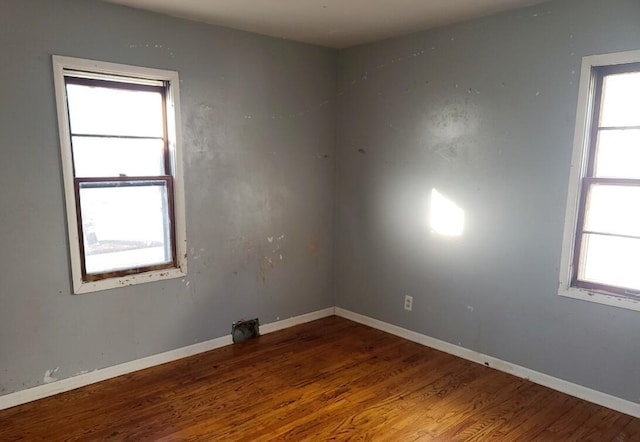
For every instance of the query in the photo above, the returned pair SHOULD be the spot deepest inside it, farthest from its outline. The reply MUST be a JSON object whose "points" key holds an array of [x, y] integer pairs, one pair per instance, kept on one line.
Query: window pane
{"points": [[618, 154], [125, 226], [108, 111], [100, 157], [611, 260], [613, 209], [621, 100]]}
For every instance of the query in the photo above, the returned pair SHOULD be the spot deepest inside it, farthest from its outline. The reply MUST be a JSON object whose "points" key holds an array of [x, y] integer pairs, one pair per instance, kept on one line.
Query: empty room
{"points": [[320, 220]]}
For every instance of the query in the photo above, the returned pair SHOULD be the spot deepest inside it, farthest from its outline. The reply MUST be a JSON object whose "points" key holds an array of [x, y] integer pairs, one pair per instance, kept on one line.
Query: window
{"points": [[602, 232], [122, 169]]}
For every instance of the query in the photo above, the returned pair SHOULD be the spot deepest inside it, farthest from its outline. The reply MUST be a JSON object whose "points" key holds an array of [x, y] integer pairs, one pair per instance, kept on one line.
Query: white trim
{"points": [[81, 380], [600, 298], [597, 397], [578, 167], [296, 320], [613, 58], [578, 164], [61, 65]]}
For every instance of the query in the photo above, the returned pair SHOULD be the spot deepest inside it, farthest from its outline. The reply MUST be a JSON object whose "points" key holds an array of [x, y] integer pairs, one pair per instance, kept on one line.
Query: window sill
{"points": [[601, 298], [124, 281]]}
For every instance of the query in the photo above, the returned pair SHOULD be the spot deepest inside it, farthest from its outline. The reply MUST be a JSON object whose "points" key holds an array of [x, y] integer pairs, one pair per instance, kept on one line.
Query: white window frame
{"points": [[578, 169], [60, 66]]}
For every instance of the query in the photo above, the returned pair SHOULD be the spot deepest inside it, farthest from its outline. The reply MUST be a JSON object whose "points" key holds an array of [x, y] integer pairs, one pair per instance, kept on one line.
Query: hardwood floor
{"points": [[330, 379]]}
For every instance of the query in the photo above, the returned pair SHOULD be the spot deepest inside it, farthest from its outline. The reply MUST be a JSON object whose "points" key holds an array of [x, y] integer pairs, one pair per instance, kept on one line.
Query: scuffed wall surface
{"points": [[484, 112], [258, 129]]}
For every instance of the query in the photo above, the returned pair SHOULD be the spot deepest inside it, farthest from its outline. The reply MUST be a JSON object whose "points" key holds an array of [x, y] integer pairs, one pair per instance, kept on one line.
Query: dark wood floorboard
{"points": [[330, 379]]}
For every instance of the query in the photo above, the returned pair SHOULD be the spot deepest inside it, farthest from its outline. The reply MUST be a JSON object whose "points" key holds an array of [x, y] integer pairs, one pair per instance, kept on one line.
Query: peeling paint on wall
{"points": [[48, 376], [268, 263], [261, 254], [153, 46]]}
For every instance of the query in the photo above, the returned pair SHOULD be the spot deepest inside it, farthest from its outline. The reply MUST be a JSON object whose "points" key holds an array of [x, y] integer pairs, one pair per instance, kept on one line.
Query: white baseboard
{"points": [[596, 397], [81, 380], [296, 320]]}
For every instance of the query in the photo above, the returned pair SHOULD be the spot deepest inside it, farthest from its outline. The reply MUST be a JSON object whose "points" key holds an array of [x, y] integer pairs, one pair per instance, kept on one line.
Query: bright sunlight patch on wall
{"points": [[445, 217]]}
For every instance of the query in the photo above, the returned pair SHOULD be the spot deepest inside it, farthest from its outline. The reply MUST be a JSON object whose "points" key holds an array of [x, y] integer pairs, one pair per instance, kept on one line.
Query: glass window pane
{"points": [[611, 260], [618, 154], [125, 226], [102, 157], [621, 100], [613, 209], [108, 111]]}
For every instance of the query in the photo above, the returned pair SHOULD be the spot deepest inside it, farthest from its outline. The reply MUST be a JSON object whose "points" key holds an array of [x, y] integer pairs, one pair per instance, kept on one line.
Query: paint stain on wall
{"points": [[314, 247]]}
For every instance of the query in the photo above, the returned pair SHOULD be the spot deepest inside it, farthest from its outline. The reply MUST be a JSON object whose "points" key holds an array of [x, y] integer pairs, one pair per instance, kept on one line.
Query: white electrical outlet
{"points": [[408, 302]]}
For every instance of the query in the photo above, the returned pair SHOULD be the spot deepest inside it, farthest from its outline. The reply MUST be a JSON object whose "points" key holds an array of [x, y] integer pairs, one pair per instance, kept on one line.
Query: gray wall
{"points": [[259, 138], [484, 112]]}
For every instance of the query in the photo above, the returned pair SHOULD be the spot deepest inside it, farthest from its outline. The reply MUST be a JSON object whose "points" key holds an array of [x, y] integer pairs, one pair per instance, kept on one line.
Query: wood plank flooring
{"points": [[330, 379]]}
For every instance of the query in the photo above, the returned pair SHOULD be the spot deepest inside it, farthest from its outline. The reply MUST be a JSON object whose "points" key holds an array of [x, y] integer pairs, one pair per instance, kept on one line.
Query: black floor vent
{"points": [[245, 329]]}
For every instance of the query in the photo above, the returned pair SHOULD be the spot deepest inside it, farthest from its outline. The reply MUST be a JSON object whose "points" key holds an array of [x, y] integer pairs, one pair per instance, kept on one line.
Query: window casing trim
{"points": [[579, 164], [69, 66]]}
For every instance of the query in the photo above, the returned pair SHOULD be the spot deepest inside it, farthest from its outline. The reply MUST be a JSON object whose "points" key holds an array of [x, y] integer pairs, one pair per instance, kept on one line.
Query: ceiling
{"points": [[331, 23]]}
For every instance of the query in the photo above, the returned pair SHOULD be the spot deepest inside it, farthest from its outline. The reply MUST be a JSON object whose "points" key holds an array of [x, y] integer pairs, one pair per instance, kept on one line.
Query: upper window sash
{"points": [[126, 79]]}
